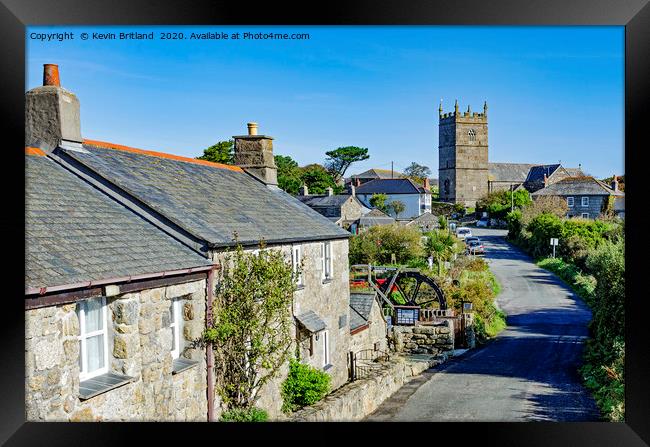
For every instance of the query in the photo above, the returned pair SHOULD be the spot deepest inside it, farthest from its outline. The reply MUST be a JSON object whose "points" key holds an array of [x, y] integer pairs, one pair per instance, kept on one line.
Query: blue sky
{"points": [[554, 93]]}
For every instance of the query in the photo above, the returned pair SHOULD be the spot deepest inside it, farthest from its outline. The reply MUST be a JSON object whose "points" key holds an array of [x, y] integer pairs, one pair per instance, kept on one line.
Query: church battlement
{"points": [[467, 116]]}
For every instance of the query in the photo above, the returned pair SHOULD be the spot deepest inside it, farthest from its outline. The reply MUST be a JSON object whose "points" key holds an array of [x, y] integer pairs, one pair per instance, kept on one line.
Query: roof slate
{"points": [[360, 308], [508, 172], [390, 186], [210, 202], [585, 186], [536, 173], [378, 174], [311, 321], [74, 233]]}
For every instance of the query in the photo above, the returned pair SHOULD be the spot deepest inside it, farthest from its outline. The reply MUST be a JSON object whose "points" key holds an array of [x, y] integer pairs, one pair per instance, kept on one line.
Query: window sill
{"points": [[101, 384], [327, 281], [300, 287], [181, 364], [328, 367]]}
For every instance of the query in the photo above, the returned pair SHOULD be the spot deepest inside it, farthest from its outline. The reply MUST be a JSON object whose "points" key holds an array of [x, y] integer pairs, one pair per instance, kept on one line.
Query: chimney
{"points": [[330, 191], [254, 153], [303, 191], [52, 114], [352, 190], [427, 185], [615, 183], [357, 181], [545, 180]]}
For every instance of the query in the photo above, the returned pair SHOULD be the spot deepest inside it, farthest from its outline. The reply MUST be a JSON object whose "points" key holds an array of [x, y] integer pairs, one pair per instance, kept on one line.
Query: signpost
{"points": [[554, 242]]}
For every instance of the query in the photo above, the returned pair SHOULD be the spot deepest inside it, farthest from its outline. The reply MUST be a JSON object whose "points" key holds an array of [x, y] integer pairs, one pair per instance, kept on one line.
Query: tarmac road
{"points": [[527, 373]]}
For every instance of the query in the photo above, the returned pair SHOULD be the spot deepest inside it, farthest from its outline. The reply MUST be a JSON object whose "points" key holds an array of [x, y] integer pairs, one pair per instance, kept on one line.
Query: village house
{"points": [[416, 198], [373, 219], [425, 222], [586, 197], [344, 210], [373, 174], [205, 209]]}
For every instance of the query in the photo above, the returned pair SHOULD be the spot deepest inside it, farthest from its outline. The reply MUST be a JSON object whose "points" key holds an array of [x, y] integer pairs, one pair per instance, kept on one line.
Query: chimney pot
{"points": [[51, 75], [330, 191], [304, 191], [252, 128]]}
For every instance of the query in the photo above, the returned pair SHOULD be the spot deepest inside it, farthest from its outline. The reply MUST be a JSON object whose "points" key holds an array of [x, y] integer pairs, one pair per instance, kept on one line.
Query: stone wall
{"points": [[357, 399], [434, 339], [139, 342], [330, 299]]}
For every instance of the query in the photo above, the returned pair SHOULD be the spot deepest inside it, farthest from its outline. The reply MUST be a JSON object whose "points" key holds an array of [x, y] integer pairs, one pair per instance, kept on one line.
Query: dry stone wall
{"points": [[435, 339]]}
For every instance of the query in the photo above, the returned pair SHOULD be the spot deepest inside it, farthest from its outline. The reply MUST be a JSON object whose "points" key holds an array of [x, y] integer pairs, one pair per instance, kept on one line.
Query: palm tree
{"points": [[441, 246]]}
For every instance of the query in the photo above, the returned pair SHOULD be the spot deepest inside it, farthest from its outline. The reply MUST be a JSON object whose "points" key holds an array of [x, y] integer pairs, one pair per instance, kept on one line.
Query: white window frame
{"points": [[326, 348], [175, 325], [296, 260], [585, 215], [584, 201], [83, 336], [570, 202], [326, 260]]}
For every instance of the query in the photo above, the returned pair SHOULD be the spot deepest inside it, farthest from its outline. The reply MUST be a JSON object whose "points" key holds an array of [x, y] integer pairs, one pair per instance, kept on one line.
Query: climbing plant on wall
{"points": [[251, 328]]}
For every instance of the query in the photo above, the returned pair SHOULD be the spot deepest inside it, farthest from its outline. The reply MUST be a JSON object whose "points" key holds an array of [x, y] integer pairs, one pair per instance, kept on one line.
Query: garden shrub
{"points": [[377, 244], [245, 415], [305, 385]]}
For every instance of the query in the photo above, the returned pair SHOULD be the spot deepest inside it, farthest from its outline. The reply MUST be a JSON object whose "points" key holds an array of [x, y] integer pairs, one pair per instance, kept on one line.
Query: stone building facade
{"points": [[463, 156], [139, 336], [371, 331]]}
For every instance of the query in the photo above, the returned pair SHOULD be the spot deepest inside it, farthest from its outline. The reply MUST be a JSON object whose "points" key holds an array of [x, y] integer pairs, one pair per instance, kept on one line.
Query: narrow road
{"points": [[527, 373]]}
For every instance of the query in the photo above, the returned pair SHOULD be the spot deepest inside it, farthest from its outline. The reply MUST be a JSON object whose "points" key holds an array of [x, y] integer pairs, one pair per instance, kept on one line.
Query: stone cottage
{"points": [[209, 208], [344, 210], [585, 196], [111, 306], [368, 326]]}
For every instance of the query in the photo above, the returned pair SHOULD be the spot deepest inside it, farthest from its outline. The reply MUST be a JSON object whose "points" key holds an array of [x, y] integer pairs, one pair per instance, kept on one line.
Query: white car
{"points": [[483, 222], [463, 232]]}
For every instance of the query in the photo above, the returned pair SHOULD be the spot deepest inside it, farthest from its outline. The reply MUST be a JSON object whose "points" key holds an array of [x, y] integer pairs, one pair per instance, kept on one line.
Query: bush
{"points": [[377, 244], [245, 415], [303, 386]]}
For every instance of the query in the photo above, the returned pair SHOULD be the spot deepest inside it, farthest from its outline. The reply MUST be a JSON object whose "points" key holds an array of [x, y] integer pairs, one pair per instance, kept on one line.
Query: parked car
{"points": [[463, 232], [469, 239], [482, 222], [476, 248]]}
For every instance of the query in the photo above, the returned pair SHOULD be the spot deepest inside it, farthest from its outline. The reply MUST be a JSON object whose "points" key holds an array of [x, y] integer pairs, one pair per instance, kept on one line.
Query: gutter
{"points": [[87, 284]]}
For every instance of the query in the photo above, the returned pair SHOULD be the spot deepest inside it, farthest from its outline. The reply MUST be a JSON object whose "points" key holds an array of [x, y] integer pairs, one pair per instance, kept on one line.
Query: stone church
{"points": [[464, 173]]}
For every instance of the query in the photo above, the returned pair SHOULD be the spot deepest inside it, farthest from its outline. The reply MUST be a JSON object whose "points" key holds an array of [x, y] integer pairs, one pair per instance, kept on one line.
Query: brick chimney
{"points": [[330, 191], [615, 183], [254, 153], [427, 185], [303, 191], [545, 180], [352, 190], [52, 114]]}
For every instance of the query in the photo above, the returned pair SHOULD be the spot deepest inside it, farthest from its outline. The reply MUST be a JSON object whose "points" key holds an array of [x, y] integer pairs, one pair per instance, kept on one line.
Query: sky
{"points": [[553, 93]]}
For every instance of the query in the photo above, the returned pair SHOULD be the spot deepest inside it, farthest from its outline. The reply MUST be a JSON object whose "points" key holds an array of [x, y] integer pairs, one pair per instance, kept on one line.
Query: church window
{"points": [[472, 135]]}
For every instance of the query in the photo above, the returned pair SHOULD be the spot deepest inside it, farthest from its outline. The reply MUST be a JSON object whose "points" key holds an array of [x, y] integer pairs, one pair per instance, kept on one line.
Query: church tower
{"points": [[463, 155]]}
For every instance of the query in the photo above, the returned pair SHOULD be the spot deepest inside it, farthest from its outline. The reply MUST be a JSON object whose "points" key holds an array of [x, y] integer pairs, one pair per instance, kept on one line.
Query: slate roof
{"points": [[378, 174], [536, 173], [375, 217], [208, 201], [311, 321], [74, 233], [584, 186], [360, 308], [391, 186], [424, 217], [508, 172]]}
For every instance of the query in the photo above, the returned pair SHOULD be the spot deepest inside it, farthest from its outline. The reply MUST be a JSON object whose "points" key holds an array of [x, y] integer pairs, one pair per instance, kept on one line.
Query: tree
{"points": [[554, 205], [378, 243], [499, 203], [397, 206], [417, 172], [318, 179], [251, 329], [289, 174], [379, 201], [221, 152], [339, 160]]}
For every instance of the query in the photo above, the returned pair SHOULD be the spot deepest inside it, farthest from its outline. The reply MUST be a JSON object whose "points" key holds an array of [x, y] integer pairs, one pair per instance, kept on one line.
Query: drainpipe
{"points": [[208, 353]]}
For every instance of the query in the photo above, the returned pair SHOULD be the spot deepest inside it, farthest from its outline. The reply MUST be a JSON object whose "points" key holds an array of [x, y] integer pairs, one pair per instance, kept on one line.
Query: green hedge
{"points": [[244, 415], [304, 386]]}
